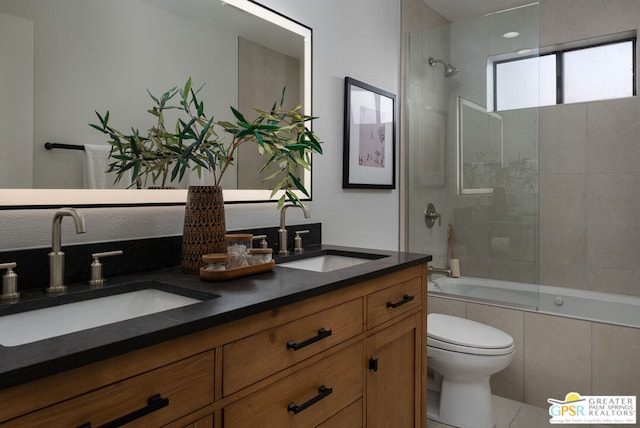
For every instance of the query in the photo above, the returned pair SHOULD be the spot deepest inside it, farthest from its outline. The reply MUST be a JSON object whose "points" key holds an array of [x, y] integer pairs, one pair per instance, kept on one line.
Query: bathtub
{"points": [[587, 305]]}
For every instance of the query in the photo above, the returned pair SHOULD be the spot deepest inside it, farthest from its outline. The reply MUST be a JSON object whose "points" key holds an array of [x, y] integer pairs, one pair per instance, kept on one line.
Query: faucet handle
{"points": [[9, 282], [97, 280], [298, 240], [431, 215]]}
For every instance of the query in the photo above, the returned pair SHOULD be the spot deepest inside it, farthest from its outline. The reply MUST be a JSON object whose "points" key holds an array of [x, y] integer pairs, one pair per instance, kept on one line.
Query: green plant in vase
{"points": [[281, 136], [164, 153]]}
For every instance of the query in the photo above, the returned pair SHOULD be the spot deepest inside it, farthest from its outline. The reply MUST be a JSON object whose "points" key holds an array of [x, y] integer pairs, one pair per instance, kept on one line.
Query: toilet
{"points": [[462, 356]]}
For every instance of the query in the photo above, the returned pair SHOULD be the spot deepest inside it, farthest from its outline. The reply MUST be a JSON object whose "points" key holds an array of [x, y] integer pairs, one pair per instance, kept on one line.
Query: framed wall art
{"points": [[369, 137]]}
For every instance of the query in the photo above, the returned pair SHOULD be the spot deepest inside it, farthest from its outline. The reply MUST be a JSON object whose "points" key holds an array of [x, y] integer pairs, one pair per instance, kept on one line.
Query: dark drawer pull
{"points": [[322, 333], [405, 299], [373, 364], [153, 403], [323, 391]]}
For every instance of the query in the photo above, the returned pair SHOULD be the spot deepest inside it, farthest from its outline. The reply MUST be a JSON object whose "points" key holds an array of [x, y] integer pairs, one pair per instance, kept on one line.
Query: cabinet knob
{"points": [[373, 364]]}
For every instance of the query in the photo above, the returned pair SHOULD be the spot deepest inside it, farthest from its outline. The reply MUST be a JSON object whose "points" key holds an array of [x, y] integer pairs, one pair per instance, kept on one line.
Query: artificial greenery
{"points": [[280, 135]]}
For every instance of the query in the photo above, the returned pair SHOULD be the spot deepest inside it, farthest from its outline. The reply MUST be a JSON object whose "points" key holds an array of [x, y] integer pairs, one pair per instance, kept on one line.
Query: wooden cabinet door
{"points": [[393, 387]]}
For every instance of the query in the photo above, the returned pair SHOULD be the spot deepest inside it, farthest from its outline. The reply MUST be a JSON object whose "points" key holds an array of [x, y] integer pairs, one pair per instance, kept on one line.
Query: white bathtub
{"points": [[587, 305]]}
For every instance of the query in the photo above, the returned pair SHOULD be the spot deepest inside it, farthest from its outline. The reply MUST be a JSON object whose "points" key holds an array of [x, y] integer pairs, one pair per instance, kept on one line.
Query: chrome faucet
{"points": [[282, 232], [56, 256]]}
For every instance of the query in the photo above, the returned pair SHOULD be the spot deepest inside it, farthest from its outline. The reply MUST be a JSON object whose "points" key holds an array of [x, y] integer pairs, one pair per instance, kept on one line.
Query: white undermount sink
{"points": [[31, 326], [325, 262]]}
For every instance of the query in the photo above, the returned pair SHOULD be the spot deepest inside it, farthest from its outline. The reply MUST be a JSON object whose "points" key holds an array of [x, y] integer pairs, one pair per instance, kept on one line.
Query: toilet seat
{"points": [[470, 337]]}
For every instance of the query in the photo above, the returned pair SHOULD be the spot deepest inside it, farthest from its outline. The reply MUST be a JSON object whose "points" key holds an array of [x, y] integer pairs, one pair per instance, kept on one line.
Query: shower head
{"points": [[449, 69]]}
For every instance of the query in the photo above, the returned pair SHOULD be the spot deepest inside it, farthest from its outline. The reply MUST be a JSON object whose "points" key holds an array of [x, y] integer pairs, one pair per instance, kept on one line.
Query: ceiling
{"points": [[456, 10]]}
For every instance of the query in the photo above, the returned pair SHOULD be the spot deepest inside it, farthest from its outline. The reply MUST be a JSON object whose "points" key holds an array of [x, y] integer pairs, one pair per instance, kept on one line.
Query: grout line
{"points": [[516, 415]]}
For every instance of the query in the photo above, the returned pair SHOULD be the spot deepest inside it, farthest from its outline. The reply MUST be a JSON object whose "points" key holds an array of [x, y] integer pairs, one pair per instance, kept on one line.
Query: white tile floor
{"points": [[513, 414]]}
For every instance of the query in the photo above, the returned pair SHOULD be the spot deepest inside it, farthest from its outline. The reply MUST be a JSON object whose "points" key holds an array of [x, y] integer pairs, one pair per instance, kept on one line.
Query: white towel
{"points": [[96, 164]]}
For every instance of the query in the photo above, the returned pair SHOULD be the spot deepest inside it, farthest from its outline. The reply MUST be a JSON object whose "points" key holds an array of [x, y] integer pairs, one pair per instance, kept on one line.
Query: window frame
{"points": [[559, 56]]}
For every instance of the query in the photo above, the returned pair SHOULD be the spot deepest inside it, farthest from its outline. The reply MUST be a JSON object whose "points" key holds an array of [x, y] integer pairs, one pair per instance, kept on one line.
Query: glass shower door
{"points": [[477, 167]]}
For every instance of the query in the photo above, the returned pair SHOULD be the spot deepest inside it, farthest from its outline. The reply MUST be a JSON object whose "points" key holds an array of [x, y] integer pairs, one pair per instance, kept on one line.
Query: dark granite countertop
{"points": [[237, 299]]}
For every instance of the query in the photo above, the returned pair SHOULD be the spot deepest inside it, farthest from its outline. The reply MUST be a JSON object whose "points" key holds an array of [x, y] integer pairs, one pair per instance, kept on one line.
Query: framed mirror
{"points": [[67, 59], [480, 148]]}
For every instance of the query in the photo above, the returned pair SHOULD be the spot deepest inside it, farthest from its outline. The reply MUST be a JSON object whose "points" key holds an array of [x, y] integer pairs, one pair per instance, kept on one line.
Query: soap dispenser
{"points": [[298, 241], [9, 282]]}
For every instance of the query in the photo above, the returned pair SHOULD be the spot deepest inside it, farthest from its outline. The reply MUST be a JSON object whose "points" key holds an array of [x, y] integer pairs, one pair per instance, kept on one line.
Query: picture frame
{"points": [[369, 137]]}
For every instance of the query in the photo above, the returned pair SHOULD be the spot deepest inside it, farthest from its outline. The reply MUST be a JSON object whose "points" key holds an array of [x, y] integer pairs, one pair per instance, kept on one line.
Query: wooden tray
{"points": [[225, 275]]}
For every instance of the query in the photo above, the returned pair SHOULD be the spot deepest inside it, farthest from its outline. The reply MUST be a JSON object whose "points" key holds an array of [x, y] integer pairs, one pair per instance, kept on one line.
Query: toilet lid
{"points": [[464, 332]]}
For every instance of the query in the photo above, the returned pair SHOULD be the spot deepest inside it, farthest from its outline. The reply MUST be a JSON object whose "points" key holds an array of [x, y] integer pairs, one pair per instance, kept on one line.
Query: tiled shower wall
{"points": [[590, 166], [556, 355]]}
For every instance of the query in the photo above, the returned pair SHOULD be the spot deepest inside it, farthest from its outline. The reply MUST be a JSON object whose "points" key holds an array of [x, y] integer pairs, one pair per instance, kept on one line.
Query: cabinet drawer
{"points": [[186, 384], [386, 304], [276, 405], [288, 344], [349, 417]]}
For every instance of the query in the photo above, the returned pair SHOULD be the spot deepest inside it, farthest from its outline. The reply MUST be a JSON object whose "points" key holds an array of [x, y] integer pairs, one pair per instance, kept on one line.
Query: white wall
{"points": [[357, 38]]}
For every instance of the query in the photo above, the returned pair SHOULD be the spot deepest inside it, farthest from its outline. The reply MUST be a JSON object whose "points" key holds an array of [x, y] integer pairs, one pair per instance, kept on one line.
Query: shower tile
{"points": [[557, 357], [514, 270], [563, 223], [616, 360], [521, 134], [514, 241], [563, 275], [472, 239], [440, 305], [613, 134], [563, 139], [474, 266], [416, 15], [562, 21], [614, 198], [614, 232], [613, 246], [619, 281], [509, 382]]}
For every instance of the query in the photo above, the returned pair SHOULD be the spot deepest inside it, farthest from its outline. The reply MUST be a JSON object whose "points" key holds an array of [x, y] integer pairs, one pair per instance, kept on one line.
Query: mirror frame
{"points": [[48, 198]]}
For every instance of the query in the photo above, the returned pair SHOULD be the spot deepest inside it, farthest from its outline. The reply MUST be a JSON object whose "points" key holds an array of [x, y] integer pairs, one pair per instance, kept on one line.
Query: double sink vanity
{"points": [[331, 337]]}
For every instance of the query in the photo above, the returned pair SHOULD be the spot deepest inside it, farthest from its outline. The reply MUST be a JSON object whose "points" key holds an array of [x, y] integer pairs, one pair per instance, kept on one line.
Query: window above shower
{"points": [[591, 70]]}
